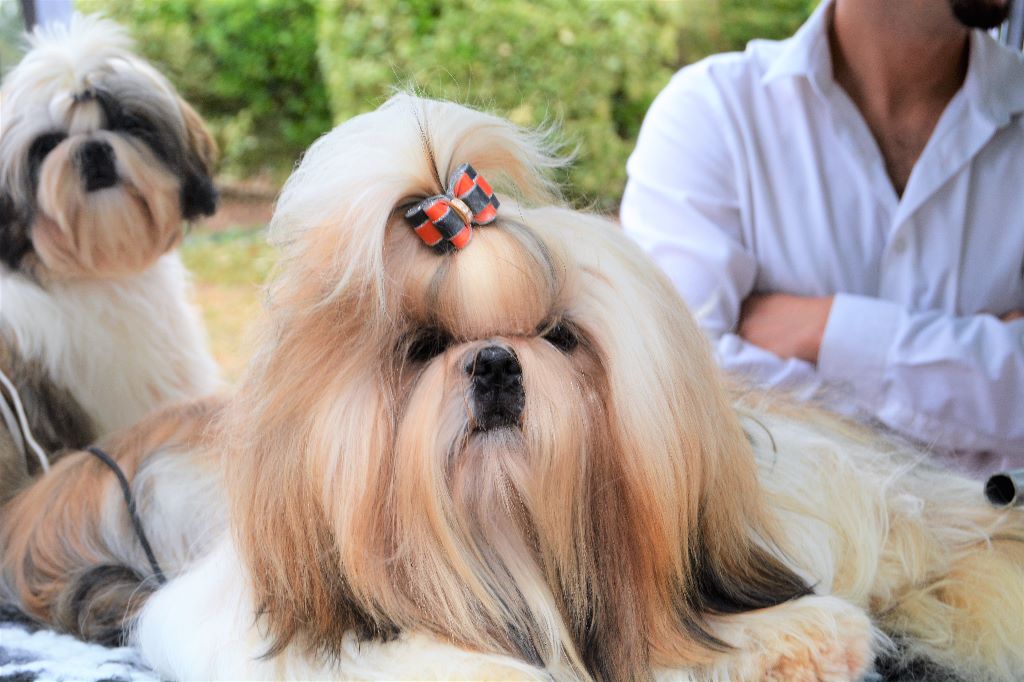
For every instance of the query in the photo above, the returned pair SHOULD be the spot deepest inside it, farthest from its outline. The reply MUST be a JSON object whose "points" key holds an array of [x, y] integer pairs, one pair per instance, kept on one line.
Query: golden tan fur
{"points": [[918, 547], [106, 233], [419, 523], [69, 553], [637, 521], [200, 141]]}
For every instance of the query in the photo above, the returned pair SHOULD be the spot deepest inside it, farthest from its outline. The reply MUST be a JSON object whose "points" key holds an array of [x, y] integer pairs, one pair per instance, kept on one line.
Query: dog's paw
{"points": [[813, 639]]}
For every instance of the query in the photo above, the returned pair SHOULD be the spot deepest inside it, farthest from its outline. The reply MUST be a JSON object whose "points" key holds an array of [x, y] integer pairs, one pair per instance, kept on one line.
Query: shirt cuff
{"points": [[855, 347]]}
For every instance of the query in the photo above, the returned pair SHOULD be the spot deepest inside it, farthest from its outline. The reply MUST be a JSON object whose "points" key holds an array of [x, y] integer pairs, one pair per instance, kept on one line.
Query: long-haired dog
{"points": [[514, 459], [100, 163]]}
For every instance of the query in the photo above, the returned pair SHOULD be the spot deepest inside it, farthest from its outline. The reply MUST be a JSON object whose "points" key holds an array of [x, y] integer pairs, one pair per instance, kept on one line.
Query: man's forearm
{"points": [[793, 326], [789, 326]]}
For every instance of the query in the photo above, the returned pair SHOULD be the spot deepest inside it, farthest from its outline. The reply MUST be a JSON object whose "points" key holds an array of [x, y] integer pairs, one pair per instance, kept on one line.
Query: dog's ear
{"points": [[686, 506], [198, 194], [15, 232], [200, 142]]}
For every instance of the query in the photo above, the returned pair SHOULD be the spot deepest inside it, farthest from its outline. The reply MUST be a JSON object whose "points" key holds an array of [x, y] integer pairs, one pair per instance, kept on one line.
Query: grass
{"points": [[228, 269]]}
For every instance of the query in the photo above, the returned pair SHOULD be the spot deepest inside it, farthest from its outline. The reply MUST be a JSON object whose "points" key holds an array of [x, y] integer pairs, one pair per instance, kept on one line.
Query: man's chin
{"points": [[983, 14]]}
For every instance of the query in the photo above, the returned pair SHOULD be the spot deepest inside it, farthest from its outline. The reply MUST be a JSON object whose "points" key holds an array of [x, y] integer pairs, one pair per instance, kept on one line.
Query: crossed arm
{"points": [[951, 381], [793, 326]]}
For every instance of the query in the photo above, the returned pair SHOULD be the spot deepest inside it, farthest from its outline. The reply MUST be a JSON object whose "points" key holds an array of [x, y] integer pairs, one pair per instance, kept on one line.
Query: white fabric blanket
{"points": [[29, 653]]}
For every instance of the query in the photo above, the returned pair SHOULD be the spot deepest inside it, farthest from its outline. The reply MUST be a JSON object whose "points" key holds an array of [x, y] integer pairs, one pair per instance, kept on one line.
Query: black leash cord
{"points": [[132, 511]]}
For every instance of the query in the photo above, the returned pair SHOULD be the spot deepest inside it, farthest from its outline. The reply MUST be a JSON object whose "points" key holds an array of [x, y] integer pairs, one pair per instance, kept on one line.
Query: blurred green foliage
{"points": [[591, 66], [271, 75], [248, 66], [12, 26], [726, 25]]}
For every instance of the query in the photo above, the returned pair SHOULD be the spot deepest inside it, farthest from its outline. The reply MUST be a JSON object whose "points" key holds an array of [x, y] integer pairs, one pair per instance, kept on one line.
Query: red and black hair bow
{"points": [[445, 221]]}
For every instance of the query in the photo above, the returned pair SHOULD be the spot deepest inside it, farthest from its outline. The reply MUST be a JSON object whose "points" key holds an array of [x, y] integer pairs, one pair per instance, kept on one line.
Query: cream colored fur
{"points": [[123, 347], [919, 548], [638, 520]]}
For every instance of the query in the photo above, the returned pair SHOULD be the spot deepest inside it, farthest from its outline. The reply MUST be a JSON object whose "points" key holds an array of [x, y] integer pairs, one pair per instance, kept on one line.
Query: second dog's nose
{"points": [[495, 366], [96, 161]]}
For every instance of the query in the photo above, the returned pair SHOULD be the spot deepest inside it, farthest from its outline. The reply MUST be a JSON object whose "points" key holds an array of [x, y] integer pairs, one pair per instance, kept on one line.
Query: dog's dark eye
{"points": [[142, 129], [42, 146], [427, 344], [135, 125], [562, 336]]}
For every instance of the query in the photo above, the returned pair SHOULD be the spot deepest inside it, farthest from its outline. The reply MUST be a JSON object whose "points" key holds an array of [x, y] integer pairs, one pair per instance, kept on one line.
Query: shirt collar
{"points": [[995, 79], [995, 74], [807, 52]]}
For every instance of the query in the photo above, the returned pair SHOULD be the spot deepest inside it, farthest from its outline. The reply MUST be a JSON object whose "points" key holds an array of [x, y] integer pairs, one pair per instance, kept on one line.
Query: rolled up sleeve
{"points": [[957, 382]]}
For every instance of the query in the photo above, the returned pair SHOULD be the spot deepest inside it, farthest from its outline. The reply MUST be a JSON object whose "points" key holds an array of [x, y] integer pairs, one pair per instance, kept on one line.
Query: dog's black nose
{"points": [[96, 162], [494, 366], [497, 384]]}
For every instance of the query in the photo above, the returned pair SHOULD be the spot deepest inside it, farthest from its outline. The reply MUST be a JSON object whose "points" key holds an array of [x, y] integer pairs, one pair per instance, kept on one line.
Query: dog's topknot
{"points": [[355, 180], [66, 55]]}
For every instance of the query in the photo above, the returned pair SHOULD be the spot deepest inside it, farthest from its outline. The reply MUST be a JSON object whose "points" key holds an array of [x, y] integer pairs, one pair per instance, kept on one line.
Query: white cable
{"points": [[23, 420], [13, 428], [44, 461]]}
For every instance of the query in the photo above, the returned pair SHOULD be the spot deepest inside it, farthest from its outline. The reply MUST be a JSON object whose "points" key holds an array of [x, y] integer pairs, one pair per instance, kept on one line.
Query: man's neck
{"points": [[901, 62], [894, 55]]}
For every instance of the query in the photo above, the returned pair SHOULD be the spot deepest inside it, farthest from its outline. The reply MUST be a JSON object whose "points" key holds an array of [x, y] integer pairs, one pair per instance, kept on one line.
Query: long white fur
{"points": [[179, 494], [123, 347], [874, 522], [202, 626]]}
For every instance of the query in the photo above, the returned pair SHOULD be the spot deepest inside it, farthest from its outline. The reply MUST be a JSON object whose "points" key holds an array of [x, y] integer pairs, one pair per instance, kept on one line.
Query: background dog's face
{"points": [[100, 160], [522, 447]]}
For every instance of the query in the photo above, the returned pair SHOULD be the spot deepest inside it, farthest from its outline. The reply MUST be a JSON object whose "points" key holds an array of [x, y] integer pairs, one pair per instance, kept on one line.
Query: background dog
{"points": [[515, 459], [100, 164]]}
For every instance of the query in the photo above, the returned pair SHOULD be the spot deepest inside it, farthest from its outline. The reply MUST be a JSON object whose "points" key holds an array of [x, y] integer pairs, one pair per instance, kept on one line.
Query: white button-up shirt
{"points": [[755, 172]]}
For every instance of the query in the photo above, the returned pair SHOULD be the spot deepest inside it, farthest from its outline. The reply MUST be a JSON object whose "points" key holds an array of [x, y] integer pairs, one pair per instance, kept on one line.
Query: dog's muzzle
{"points": [[96, 163], [496, 380]]}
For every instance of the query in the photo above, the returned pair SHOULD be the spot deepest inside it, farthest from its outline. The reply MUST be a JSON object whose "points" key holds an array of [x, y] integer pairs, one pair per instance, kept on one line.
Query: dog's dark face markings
{"points": [[15, 237], [198, 196], [142, 119], [39, 150], [496, 395]]}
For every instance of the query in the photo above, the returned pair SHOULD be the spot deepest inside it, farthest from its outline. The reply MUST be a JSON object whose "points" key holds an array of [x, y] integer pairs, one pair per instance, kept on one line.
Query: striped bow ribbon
{"points": [[445, 221]]}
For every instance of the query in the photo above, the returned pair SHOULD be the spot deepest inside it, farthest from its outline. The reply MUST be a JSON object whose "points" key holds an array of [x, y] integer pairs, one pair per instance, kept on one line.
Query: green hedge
{"points": [[271, 75], [249, 66], [722, 25], [11, 30], [592, 66]]}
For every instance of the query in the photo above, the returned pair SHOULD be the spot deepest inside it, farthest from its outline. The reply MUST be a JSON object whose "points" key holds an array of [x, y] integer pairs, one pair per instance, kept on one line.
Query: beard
{"points": [[984, 14]]}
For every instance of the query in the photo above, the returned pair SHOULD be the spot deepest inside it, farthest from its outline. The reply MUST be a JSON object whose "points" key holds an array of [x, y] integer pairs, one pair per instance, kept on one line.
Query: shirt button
{"points": [[899, 246]]}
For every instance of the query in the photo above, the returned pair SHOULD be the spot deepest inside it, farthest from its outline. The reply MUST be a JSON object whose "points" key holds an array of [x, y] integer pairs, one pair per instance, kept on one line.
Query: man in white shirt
{"points": [[844, 212]]}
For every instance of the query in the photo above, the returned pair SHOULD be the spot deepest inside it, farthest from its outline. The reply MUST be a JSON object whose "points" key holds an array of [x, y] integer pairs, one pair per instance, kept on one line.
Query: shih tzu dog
{"points": [[484, 439], [100, 163]]}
